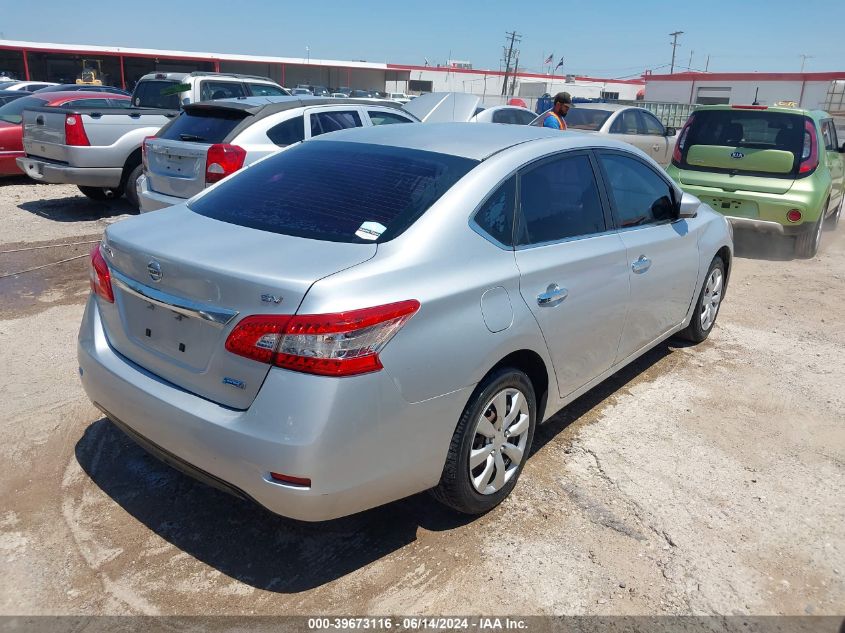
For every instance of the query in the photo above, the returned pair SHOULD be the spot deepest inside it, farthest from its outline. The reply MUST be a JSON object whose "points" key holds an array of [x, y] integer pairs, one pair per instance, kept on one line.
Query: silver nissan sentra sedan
{"points": [[387, 310]]}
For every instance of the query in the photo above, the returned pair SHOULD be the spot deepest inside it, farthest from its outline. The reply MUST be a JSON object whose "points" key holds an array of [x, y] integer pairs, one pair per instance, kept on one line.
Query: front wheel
{"points": [[490, 444], [102, 193], [707, 307]]}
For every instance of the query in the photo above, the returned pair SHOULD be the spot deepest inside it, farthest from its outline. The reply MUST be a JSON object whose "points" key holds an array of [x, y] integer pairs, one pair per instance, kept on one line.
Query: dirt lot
{"points": [[701, 480]]}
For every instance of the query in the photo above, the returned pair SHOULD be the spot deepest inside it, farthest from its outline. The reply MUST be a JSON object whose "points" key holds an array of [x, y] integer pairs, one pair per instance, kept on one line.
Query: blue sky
{"points": [[609, 38]]}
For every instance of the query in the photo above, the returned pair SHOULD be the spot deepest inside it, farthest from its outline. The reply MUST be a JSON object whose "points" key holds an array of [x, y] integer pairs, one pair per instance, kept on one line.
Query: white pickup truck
{"points": [[99, 149]]}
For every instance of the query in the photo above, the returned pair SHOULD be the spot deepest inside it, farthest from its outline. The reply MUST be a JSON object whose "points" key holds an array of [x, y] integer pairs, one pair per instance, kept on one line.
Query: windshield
{"points": [[11, 112], [590, 119], [335, 191]]}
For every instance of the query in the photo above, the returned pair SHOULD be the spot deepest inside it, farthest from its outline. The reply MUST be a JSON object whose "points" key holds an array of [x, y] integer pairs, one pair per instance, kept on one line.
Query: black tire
{"points": [[695, 331], [455, 489], [131, 186], [102, 193], [807, 243]]}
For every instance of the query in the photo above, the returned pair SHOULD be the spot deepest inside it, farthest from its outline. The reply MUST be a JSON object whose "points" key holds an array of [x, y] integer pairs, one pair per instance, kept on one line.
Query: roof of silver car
{"points": [[476, 141], [273, 104]]}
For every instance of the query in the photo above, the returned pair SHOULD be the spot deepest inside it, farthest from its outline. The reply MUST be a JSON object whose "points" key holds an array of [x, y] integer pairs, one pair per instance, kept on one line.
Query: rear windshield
{"points": [[156, 94], [335, 191], [749, 129], [202, 126], [11, 112], [586, 118]]}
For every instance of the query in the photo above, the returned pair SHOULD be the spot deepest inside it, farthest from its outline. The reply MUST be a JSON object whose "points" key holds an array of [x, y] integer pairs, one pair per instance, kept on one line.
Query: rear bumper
{"points": [[152, 200], [760, 226], [8, 163], [59, 173], [357, 439]]}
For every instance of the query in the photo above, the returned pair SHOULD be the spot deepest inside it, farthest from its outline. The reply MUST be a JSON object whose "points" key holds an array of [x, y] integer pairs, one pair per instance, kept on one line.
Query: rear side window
{"points": [[88, 103], [386, 118], [640, 196], [155, 94], [202, 126], [265, 90], [829, 135], [559, 199], [335, 191], [325, 122], [210, 90], [288, 132], [495, 217]]}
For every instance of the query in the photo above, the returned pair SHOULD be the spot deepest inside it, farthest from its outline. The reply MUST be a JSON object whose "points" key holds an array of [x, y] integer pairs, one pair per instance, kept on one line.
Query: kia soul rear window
{"points": [[335, 191]]}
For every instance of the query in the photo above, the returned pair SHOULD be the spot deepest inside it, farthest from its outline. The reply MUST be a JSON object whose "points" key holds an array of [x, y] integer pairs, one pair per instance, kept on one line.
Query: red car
{"points": [[11, 130]]}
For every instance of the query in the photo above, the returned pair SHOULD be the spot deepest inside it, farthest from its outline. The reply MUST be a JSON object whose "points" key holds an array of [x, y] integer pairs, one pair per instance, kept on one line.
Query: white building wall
{"points": [[742, 92]]}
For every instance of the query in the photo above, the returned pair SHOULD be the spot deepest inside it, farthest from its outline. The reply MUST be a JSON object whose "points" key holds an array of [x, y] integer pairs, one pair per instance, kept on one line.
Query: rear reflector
{"points": [[793, 215], [338, 344], [302, 482], [223, 159], [75, 131], [99, 276]]}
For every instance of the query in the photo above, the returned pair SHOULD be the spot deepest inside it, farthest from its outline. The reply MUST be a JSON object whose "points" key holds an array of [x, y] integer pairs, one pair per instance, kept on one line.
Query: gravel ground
{"points": [[701, 480]]}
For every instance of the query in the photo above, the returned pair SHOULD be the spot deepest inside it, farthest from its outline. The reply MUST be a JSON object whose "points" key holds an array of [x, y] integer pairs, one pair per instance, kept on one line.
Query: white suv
{"points": [[174, 90], [211, 140]]}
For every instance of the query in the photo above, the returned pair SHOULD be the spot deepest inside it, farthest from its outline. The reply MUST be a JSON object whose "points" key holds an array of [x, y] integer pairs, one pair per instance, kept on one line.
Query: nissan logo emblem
{"points": [[154, 268]]}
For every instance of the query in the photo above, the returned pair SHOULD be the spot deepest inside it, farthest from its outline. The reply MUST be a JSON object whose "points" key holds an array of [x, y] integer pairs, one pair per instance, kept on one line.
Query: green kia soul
{"points": [[773, 169]]}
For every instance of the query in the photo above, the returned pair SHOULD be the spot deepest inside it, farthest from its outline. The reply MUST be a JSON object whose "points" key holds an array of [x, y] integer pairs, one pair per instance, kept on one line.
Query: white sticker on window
{"points": [[370, 230]]}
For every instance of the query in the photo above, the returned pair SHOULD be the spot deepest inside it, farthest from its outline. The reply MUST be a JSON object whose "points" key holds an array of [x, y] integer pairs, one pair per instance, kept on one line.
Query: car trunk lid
{"points": [[44, 134], [176, 327]]}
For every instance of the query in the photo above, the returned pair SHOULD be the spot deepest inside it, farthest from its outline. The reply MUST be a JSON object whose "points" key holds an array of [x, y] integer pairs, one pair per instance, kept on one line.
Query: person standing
{"points": [[555, 116]]}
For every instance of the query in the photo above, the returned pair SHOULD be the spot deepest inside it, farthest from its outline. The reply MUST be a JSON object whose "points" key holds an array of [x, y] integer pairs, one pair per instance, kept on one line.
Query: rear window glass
{"points": [[288, 132], [266, 90], [11, 112], [152, 94], [586, 118], [335, 191], [202, 126]]}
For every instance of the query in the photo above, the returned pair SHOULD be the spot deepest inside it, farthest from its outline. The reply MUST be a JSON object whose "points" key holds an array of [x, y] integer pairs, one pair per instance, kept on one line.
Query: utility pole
{"points": [[804, 59], [689, 65], [674, 37], [707, 65], [515, 38]]}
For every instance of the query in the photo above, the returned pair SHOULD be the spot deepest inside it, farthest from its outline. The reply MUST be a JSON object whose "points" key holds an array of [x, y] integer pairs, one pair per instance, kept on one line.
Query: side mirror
{"points": [[689, 206], [670, 131]]}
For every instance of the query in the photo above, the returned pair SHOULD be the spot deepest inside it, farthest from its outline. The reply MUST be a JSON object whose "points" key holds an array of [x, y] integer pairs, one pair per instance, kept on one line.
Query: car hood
{"points": [[443, 107]]}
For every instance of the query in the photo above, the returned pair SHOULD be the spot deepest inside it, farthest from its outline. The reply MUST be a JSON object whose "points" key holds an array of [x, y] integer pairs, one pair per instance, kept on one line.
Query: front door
{"points": [[662, 251], [573, 266]]}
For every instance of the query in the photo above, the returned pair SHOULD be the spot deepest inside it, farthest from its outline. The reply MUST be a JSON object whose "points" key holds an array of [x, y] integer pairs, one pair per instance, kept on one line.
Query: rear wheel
{"points": [[102, 193], [490, 444], [131, 186], [709, 301], [807, 243]]}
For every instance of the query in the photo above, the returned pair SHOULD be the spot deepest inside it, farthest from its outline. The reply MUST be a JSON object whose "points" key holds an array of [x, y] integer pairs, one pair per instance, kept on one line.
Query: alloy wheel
{"points": [[711, 298]]}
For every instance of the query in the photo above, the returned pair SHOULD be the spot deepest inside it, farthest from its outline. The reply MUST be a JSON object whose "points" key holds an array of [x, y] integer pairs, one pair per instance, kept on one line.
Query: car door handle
{"points": [[656, 148], [554, 295], [641, 265]]}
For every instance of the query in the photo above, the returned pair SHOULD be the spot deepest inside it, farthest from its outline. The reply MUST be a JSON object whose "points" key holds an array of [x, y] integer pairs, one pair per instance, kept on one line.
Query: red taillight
{"points": [[99, 276], [810, 151], [75, 131], [749, 107], [339, 344], [302, 482], [144, 152], [222, 160], [793, 215], [682, 139]]}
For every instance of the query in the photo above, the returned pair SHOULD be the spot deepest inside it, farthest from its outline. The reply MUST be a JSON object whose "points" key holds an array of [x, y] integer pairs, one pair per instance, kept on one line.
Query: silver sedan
{"points": [[392, 309]]}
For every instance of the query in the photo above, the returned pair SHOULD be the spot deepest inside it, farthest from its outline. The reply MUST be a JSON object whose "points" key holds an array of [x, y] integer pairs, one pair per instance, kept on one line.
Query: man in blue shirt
{"points": [[554, 119]]}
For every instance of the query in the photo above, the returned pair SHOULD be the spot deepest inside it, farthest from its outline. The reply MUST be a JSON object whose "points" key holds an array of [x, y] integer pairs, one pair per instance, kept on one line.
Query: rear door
{"points": [[573, 266], [662, 252], [834, 161]]}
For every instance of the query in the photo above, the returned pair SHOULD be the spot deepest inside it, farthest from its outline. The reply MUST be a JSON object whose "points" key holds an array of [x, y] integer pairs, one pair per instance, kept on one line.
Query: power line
{"points": [[674, 37]]}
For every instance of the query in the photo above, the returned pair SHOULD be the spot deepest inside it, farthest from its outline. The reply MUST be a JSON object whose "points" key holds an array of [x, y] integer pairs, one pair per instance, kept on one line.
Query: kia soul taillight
{"points": [[810, 150], [677, 153], [336, 344]]}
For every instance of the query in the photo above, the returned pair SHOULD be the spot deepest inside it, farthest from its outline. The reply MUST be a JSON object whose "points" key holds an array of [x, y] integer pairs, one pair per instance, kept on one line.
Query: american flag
{"points": [[549, 59]]}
